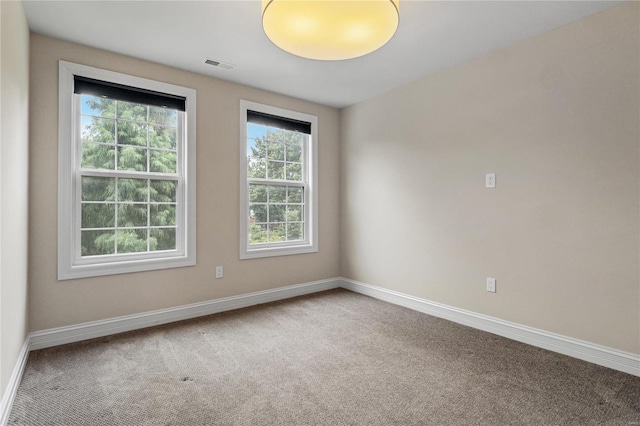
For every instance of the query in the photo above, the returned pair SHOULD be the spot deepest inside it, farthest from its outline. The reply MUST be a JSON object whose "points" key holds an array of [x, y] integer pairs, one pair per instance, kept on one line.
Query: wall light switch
{"points": [[219, 272], [490, 180]]}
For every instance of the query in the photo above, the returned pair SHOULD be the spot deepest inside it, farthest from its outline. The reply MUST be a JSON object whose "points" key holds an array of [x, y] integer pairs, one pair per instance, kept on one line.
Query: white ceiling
{"points": [[433, 36]]}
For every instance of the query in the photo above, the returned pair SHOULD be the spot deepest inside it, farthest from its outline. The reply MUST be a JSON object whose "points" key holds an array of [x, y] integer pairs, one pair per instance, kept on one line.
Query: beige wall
{"points": [[557, 118], [14, 174], [58, 303]]}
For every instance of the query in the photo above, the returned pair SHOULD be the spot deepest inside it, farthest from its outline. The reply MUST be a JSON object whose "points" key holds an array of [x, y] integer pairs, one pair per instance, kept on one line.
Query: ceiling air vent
{"points": [[219, 64]]}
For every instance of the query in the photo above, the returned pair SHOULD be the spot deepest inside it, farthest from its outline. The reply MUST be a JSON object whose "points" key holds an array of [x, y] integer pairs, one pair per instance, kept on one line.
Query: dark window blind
{"points": [[256, 117], [120, 92]]}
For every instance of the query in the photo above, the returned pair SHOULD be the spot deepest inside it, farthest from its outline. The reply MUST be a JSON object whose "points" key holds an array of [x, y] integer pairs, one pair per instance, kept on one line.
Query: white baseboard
{"points": [[14, 381], [89, 330], [601, 355]]}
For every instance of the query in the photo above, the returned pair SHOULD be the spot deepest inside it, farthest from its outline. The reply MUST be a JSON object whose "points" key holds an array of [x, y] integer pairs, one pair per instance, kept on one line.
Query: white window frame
{"points": [[70, 264], [310, 183]]}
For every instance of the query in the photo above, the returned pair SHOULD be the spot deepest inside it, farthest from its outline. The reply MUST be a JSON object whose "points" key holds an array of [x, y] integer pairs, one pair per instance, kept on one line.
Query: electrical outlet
{"points": [[219, 272], [490, 180], [491, 285]]}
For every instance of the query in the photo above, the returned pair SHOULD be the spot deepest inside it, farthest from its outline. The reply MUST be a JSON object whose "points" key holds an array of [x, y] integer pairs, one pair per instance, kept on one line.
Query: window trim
{"points": [[69, 267], [310, 244]]}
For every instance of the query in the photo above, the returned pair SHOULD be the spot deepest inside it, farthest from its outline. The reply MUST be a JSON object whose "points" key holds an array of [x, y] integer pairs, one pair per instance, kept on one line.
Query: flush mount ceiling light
{"points": [[330, 30]]}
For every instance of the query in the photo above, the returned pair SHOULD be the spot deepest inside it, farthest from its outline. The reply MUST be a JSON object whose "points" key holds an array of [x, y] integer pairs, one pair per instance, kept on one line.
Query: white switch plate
{"points": [[490, 180], [491, 285], [219, 272]]}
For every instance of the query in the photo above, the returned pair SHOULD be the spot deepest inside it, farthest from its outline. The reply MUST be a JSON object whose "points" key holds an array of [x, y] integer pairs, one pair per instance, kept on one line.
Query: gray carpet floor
{"points": [[335, 358]]}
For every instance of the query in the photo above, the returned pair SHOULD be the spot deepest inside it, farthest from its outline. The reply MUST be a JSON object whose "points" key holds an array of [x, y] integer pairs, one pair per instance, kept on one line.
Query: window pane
{"points": [[294, 171], [132, 190], [162, 137], [294, 151], [132, 133], [98, 215], [276, 170], [97, 242], [257, 193], [131, 240], [97, 106], [252, 149], [257, 234], [131, 111], [294, 232], [97, 129], [163, 161], [276, 213], [295, 194], [256, 130], [276, 232], [163, 239], [98, 188], [96, 156], [258, 213], [163, 214], [285, 208], [275, 150], [294, 137], [130, 158], [163, 191], [256, 169], [164, 116], [294, 213], [277, 194], [130, 215]]}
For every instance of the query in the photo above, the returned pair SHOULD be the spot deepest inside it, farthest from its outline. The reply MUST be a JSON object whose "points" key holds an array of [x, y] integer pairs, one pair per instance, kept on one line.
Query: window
{"points": [[126, 173], [278, 190]]}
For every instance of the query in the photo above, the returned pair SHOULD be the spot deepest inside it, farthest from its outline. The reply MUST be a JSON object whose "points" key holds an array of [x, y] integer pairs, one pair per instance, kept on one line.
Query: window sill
{"points": [[277, 251], [124, 267]]}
